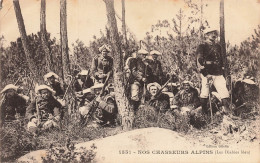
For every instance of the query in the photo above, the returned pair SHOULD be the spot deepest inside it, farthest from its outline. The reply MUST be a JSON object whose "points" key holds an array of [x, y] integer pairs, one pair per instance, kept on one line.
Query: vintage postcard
{"points": [[130, 81]]}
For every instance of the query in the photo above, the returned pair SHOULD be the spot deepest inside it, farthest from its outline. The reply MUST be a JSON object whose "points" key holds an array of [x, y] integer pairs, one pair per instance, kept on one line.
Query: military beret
{"points": [[42, 87], [104, 47], [155, 52], [50, 74], [153, 84], [9, 86]]}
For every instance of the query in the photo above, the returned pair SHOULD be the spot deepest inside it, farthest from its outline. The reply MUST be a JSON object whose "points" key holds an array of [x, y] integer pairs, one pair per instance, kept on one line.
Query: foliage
{"points": [[69, 154], [15, 141]]}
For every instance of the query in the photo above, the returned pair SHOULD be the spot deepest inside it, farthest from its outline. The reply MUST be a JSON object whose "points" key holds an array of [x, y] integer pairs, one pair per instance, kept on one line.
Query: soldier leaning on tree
{"points": [[13, 105], [139, 74], [102, 65], [210, 64]]}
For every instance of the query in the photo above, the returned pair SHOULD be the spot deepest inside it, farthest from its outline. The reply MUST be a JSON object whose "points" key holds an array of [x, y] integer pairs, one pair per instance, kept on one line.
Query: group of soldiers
{"points": [[146, 82]]}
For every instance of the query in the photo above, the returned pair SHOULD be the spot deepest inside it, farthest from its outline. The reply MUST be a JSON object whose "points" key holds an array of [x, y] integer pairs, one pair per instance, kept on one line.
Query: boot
{"points": [[204, 102], [226, 105]]}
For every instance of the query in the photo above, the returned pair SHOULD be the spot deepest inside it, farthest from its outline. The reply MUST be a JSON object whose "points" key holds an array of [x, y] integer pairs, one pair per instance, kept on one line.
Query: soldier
{"points": [[52, 80], [187, 98], [102, 108], [160, 101], [210, 64], [102, 65], [84, 81], [13, 106], [139, 75], [45, 108], [156, 67]]}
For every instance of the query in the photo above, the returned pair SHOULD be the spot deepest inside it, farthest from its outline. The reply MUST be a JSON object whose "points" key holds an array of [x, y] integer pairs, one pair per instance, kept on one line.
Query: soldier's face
{"points": [[153, 90], [104, 53], [212, 36], [51, 79], [155, 56], [10, 93], [186, 87], [45, 94]]}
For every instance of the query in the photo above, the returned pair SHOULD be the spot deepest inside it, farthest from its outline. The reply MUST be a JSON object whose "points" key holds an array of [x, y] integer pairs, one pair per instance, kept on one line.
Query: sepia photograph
{"points": [[133, 81]]}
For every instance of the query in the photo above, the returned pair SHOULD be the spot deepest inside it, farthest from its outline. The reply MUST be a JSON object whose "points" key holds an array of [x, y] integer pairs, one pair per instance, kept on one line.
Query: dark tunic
{"points": [[57, 88], [101, 65], [190, 98], [210, 57], [160, 103], [157, 73], [50, 106], [139, 70], [11, 106]]}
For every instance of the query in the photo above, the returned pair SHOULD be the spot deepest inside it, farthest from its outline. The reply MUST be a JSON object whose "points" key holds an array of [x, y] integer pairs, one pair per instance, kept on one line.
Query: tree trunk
{"points": [[64, 41], [125, 109], [44, 36], [124, 25], [222, 38], [23, 34]]}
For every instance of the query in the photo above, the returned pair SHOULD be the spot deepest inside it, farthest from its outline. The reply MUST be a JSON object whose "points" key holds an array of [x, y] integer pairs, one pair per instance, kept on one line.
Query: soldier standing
{"points": [[210, 63], [13, 104], [139, 75], [102, 65], [156, 67]]}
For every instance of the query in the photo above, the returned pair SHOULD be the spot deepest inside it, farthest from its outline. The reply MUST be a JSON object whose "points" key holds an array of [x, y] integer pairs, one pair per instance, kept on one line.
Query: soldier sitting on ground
{"points": [[52, 80], [187, 99], [160, 101], [102, 65], [45, 108], [13, 105], [102, 108]]}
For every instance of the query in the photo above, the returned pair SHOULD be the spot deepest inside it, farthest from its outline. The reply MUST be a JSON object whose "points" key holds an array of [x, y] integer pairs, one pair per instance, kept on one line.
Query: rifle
{"points": [[210, 104], [165, 84], [38, 111], [92, 108]]}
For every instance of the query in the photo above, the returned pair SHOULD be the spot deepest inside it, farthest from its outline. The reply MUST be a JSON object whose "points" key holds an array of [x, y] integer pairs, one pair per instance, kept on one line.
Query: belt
{"points": [[211, 62]]}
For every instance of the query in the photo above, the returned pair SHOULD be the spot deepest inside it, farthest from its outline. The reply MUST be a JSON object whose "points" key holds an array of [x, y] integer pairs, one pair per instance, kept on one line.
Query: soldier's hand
{"points": [[98, 99], [50, 117], [144, 79], [102, 76]]}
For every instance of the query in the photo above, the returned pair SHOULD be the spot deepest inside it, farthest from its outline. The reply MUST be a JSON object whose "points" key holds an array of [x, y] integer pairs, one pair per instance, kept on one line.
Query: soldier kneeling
{"points": [[44, 112]]}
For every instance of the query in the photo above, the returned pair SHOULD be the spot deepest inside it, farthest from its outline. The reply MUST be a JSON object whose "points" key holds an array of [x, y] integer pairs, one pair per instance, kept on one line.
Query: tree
{"points": [[49, 65], [222, 39], [64, 41], [124, 26], [125, 109], [22, 31]]}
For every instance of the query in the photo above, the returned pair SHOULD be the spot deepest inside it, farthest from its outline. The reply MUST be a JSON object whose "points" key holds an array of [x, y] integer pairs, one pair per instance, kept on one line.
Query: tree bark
{"points": [[64, 41], [44, 40], [23, 34], [124, 25], [124, 106], [222, 38]]}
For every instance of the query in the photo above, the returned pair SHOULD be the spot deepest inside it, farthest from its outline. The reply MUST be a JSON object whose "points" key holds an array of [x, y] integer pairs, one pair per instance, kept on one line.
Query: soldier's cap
{"points": [[104, 47], [248, 81], [210, 30], [155, 52], [85, 91], [42, 87], [83, 72], [187, 82], [50, 74], [153, 84], [9, 86], [109, 97], [97, 86], [142, 51]]}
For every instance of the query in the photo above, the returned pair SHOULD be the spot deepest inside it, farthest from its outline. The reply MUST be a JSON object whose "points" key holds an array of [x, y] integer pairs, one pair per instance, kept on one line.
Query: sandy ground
{"points": [[163, 145]]}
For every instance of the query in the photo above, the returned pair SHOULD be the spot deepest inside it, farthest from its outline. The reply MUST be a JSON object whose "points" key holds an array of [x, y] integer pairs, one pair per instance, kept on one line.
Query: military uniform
{"points": [[100, 66], [56, 86], [80, 86], [157, 73], [139, 70], [12, 106], [161, 103], [187, 98], [209, 55]]}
